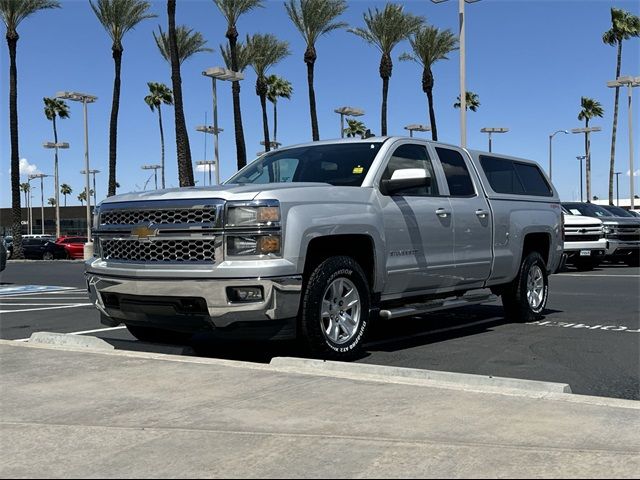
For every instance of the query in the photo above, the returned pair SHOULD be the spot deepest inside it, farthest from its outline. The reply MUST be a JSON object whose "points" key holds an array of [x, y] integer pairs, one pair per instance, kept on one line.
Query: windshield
{"points": [[340, 164], [618, 212], [587, 209]]}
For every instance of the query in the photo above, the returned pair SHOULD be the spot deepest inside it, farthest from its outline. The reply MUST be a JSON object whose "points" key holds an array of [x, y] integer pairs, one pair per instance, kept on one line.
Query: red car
{"points": [[73, 245]]}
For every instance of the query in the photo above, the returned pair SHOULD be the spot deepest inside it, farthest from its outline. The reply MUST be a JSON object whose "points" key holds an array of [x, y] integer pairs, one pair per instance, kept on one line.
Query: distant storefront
{"points": [[73, 220]]}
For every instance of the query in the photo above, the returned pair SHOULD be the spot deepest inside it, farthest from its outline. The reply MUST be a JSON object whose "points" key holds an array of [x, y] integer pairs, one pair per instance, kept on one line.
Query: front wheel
{"points": [[335, 309], [47, 256], [525, 298]]}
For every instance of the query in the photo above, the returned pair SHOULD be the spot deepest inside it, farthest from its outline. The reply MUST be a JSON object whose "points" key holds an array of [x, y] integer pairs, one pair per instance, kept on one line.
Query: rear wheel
{"points": [[525, 298], [158, 335], [47, 256], [335, 309]]}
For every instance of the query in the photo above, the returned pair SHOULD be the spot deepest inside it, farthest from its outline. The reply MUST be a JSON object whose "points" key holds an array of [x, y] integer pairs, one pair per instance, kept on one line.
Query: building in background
{"points": [[72, 220]]}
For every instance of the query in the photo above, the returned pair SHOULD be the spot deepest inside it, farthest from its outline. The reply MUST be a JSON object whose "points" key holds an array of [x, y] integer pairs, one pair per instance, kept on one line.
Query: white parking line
{"points": [[121, 327], [75, 305], [44, 304], [60, 294], [596, 275]]}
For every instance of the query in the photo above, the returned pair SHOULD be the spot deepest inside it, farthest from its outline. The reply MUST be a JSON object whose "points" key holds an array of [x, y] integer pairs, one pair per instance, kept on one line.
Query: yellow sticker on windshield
{"points": [[358, 170]]}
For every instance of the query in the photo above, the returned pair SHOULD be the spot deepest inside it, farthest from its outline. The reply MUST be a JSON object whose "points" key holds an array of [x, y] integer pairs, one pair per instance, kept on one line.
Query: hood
{"points": [[224, 192], [624, 221], [579, 220]]}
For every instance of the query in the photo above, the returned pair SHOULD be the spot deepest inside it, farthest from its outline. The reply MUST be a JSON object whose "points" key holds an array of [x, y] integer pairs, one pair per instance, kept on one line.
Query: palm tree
{"points": [[25, 188], [265, 51], [65, 189], [429, 45], [52, 201], [472, 101], [159, 93], [355, 127], [385, 29], [278, 88], [12, 13], [624, 25], [232, 10], [590, 108], [118, 17], [314, 18], [183, 149], [83, 196], [189, 43]]}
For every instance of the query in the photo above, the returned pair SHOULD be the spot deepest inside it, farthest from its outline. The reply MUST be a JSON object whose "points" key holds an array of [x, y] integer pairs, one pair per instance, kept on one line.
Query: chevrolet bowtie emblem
{"points": [[144, 232]]}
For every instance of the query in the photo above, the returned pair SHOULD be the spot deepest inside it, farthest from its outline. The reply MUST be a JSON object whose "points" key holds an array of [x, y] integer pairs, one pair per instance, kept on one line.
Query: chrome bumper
{"points": [[281, 299], [622, 247]]}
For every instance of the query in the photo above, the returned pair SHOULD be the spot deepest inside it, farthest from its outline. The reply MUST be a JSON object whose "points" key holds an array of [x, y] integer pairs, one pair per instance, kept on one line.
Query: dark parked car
{"points": [[8, 242], [3, 255], [618, 212], [42, 248]]}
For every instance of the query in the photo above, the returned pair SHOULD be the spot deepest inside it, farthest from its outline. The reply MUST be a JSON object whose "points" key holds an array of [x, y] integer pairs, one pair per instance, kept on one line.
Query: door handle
{"points": [[442, 213], [482, 213]]}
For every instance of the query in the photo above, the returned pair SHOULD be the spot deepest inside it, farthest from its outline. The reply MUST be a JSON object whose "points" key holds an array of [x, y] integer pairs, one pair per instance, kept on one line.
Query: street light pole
{"points": [[155, 169], [417, 128], [586, 132], [95, 191], [581, 158], [550, 151], [41, 176], [630, 82], [492, 130], [347, 111], [85, 99], [56, 147], [617, 174]]}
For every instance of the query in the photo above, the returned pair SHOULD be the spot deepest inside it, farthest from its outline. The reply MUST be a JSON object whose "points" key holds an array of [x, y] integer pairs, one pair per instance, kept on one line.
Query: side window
{"points": [[508, 176], [455, 169], [410, 156], [532, 179]]}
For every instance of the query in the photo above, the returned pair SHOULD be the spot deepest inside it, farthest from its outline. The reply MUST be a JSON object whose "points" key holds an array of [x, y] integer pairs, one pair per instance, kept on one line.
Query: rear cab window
{"points": [[515, 178]]}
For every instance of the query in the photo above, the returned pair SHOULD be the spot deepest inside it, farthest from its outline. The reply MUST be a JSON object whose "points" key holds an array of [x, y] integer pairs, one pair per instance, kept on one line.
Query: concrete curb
{"points": [[339, 373], [367, 370], [66, 340]]}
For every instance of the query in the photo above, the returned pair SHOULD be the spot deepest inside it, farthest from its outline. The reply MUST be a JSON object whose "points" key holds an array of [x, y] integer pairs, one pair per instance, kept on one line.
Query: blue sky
{"points": [[529, 62]]}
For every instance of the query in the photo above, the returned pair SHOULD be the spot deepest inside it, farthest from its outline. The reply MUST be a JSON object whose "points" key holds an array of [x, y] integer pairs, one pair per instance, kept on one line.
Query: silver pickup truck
{"points": [[316, 241]]}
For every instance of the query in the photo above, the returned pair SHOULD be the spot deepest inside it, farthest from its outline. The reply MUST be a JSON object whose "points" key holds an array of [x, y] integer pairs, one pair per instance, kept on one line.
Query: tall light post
{"points": [[41, 176], [272, 145], [463, 73], [206, 167], [491, 131], [95, 191], [56, 147], [219, 73], [550, 150], [630, 82], [85, 99], [587, 153], [155, 169], [414, 127], [349, 112], [207, 130], [581, 158], [27, 198], [617, 174]]}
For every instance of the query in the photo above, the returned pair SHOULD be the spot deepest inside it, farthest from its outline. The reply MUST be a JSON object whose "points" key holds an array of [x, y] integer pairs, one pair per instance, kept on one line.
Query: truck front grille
{"points": [[201, 250], [172, 216], [582, 238]]}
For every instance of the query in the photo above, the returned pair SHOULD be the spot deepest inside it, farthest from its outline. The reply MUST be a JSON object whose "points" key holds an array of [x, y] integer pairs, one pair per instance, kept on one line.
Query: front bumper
{"points": [[622, 248], [196, 304], [597, 249]]}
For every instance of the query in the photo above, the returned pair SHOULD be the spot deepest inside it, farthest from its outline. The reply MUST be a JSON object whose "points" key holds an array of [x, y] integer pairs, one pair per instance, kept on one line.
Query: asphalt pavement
{"points": [[589, 338]]}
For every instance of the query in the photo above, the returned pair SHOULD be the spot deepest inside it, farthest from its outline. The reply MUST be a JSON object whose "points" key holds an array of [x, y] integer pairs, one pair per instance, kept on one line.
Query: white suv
{"points": [[584, 242]]}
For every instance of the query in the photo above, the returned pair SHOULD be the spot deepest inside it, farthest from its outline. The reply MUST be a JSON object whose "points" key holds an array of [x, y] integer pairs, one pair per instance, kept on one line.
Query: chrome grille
{"points": [[172, 216], [201, 250]]}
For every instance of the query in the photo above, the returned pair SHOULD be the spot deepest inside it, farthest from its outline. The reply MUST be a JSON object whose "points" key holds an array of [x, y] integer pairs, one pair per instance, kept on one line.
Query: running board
{"points": [[435, 305]]}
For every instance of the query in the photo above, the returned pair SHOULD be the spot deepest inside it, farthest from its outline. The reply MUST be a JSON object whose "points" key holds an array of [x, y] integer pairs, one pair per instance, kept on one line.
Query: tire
{"points": [[47, 256], [633, 260], [327, 330], [525, 298], [158, 335]]}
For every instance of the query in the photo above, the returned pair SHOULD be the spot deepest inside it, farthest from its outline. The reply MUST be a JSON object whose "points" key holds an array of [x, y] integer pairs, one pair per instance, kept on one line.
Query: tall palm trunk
{"points": [[241, 149], [612, 166], [386, 67], [113, 126], [427, 87], [587, 146], [16, 212], [185, 168], [261, 90], [161, 142], [275, 123], [310, 59], [56, 177]]}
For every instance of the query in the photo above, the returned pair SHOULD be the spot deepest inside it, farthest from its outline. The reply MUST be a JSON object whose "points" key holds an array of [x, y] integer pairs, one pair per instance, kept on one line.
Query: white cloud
{"points": [[27, 168], [636, 173], [205, 168]]}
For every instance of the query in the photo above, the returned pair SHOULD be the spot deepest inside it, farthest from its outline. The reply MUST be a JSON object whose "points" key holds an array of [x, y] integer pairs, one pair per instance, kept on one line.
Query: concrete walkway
{"points": [[72, 413]]}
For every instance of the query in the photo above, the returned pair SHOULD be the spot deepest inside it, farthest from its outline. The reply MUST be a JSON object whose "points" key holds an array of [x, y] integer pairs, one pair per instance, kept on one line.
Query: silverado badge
{"points": [[144, 232]]}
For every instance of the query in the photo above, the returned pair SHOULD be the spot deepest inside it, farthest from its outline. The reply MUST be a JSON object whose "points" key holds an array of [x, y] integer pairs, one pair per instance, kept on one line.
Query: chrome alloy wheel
{"points": [[340, 311], [535, 287]]}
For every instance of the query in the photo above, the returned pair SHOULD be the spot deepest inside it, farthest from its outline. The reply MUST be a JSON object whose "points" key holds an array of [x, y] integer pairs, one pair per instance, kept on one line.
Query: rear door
{"points": [[472, 222], [418, 227]]}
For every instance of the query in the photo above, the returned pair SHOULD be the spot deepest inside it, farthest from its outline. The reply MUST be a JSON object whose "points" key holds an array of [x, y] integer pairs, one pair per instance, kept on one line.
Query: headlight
{"points": [[253, 245], [252, 216]]}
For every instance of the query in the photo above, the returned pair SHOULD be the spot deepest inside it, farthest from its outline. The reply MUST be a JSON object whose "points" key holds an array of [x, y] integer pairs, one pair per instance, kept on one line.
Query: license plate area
{"points": [[585, 253]]}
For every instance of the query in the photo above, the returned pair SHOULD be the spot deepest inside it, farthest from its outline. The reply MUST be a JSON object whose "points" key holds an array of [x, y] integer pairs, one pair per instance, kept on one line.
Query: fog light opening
{"points": [[245, 294]]}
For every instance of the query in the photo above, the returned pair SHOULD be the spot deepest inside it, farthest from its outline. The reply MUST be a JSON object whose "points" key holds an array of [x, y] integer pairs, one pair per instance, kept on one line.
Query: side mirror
{"points": [[405, 179]]}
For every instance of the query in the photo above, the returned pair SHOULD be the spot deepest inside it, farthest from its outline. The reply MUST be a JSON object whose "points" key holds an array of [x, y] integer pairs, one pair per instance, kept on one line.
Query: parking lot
{"points": [[589, 338]]}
